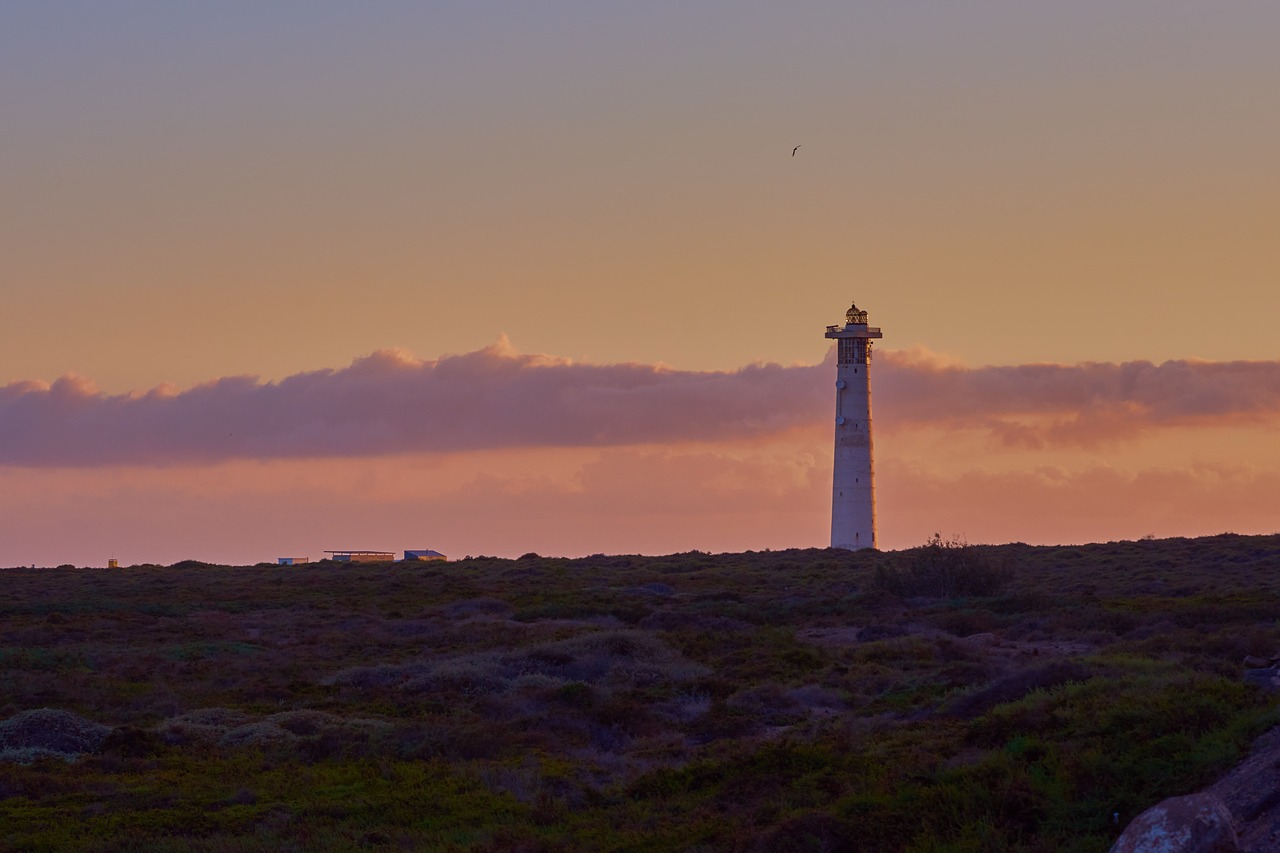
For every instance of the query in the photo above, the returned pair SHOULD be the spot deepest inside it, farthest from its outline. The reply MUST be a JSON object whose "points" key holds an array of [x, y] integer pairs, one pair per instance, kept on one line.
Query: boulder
{"points": [[1267, 679], [1199, 823], [1252, 791]]}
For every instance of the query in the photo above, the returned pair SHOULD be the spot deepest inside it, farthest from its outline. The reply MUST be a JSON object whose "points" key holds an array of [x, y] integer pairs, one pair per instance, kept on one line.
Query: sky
{"points": [[499, 277]]}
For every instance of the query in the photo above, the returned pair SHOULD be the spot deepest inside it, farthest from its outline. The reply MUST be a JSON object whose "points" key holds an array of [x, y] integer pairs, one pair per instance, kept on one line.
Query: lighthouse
{"points": [[853, 496]]}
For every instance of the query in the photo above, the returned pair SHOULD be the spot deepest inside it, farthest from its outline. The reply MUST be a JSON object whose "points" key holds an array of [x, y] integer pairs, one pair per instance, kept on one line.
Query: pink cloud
{"points": [[1036, 405], [391, 402]]}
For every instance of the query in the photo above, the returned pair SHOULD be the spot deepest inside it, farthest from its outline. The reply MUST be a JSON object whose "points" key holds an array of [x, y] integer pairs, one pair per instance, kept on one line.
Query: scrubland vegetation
{"points": [[945, 698]]}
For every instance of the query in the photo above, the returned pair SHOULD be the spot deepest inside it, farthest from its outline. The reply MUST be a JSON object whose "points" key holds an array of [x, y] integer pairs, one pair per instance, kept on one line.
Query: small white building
{"points": [[362, 556], [426, 554]]}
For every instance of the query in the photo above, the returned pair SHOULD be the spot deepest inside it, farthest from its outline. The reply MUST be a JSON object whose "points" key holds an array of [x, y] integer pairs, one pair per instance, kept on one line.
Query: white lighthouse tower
{"points": [[853, 496]]}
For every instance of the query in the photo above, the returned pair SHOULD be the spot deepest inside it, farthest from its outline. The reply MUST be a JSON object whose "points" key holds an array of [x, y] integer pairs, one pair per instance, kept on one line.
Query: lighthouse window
{"points": [[853, 350]]}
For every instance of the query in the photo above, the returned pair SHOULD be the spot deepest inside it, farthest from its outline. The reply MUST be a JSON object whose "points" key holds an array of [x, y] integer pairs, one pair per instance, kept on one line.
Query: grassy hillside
{"points": [[944, 698]]}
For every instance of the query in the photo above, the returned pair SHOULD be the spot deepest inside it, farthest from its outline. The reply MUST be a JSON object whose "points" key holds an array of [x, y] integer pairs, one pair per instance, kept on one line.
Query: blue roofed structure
{"points": [[426, 554]]}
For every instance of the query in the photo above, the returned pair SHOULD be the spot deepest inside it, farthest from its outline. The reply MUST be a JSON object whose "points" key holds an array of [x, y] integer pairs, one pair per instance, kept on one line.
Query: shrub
{"points": [[576, 694], [943, 568], [813, 831], [53, 730], [131, 742], [257, 734], [721, 721], [1014, 687], [30, 754]]}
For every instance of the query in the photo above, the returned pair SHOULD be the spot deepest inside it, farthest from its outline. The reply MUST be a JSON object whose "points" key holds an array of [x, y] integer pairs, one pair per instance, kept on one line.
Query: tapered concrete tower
{"points": [[853, 495]]}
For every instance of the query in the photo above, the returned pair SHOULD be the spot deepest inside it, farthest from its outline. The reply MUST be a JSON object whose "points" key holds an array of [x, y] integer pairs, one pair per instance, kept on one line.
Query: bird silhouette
{"points": [[794, 150]]}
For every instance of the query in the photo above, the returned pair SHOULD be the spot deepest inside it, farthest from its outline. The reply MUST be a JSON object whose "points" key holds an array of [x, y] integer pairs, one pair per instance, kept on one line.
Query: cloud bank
{"points": [[1038, 405], [392, 403]]}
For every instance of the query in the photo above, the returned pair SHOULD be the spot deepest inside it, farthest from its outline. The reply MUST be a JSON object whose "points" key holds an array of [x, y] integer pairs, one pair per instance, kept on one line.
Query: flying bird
{"points": [[794, 150]]}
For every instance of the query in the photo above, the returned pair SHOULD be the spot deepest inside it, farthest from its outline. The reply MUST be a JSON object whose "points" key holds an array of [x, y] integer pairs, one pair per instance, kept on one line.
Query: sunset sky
{"points": [[498, 277]]}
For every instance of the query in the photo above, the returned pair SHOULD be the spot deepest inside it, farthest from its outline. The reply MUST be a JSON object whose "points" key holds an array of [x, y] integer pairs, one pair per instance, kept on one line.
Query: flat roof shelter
{"points": [[292, 561], [362, 556], [426, 554]]}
